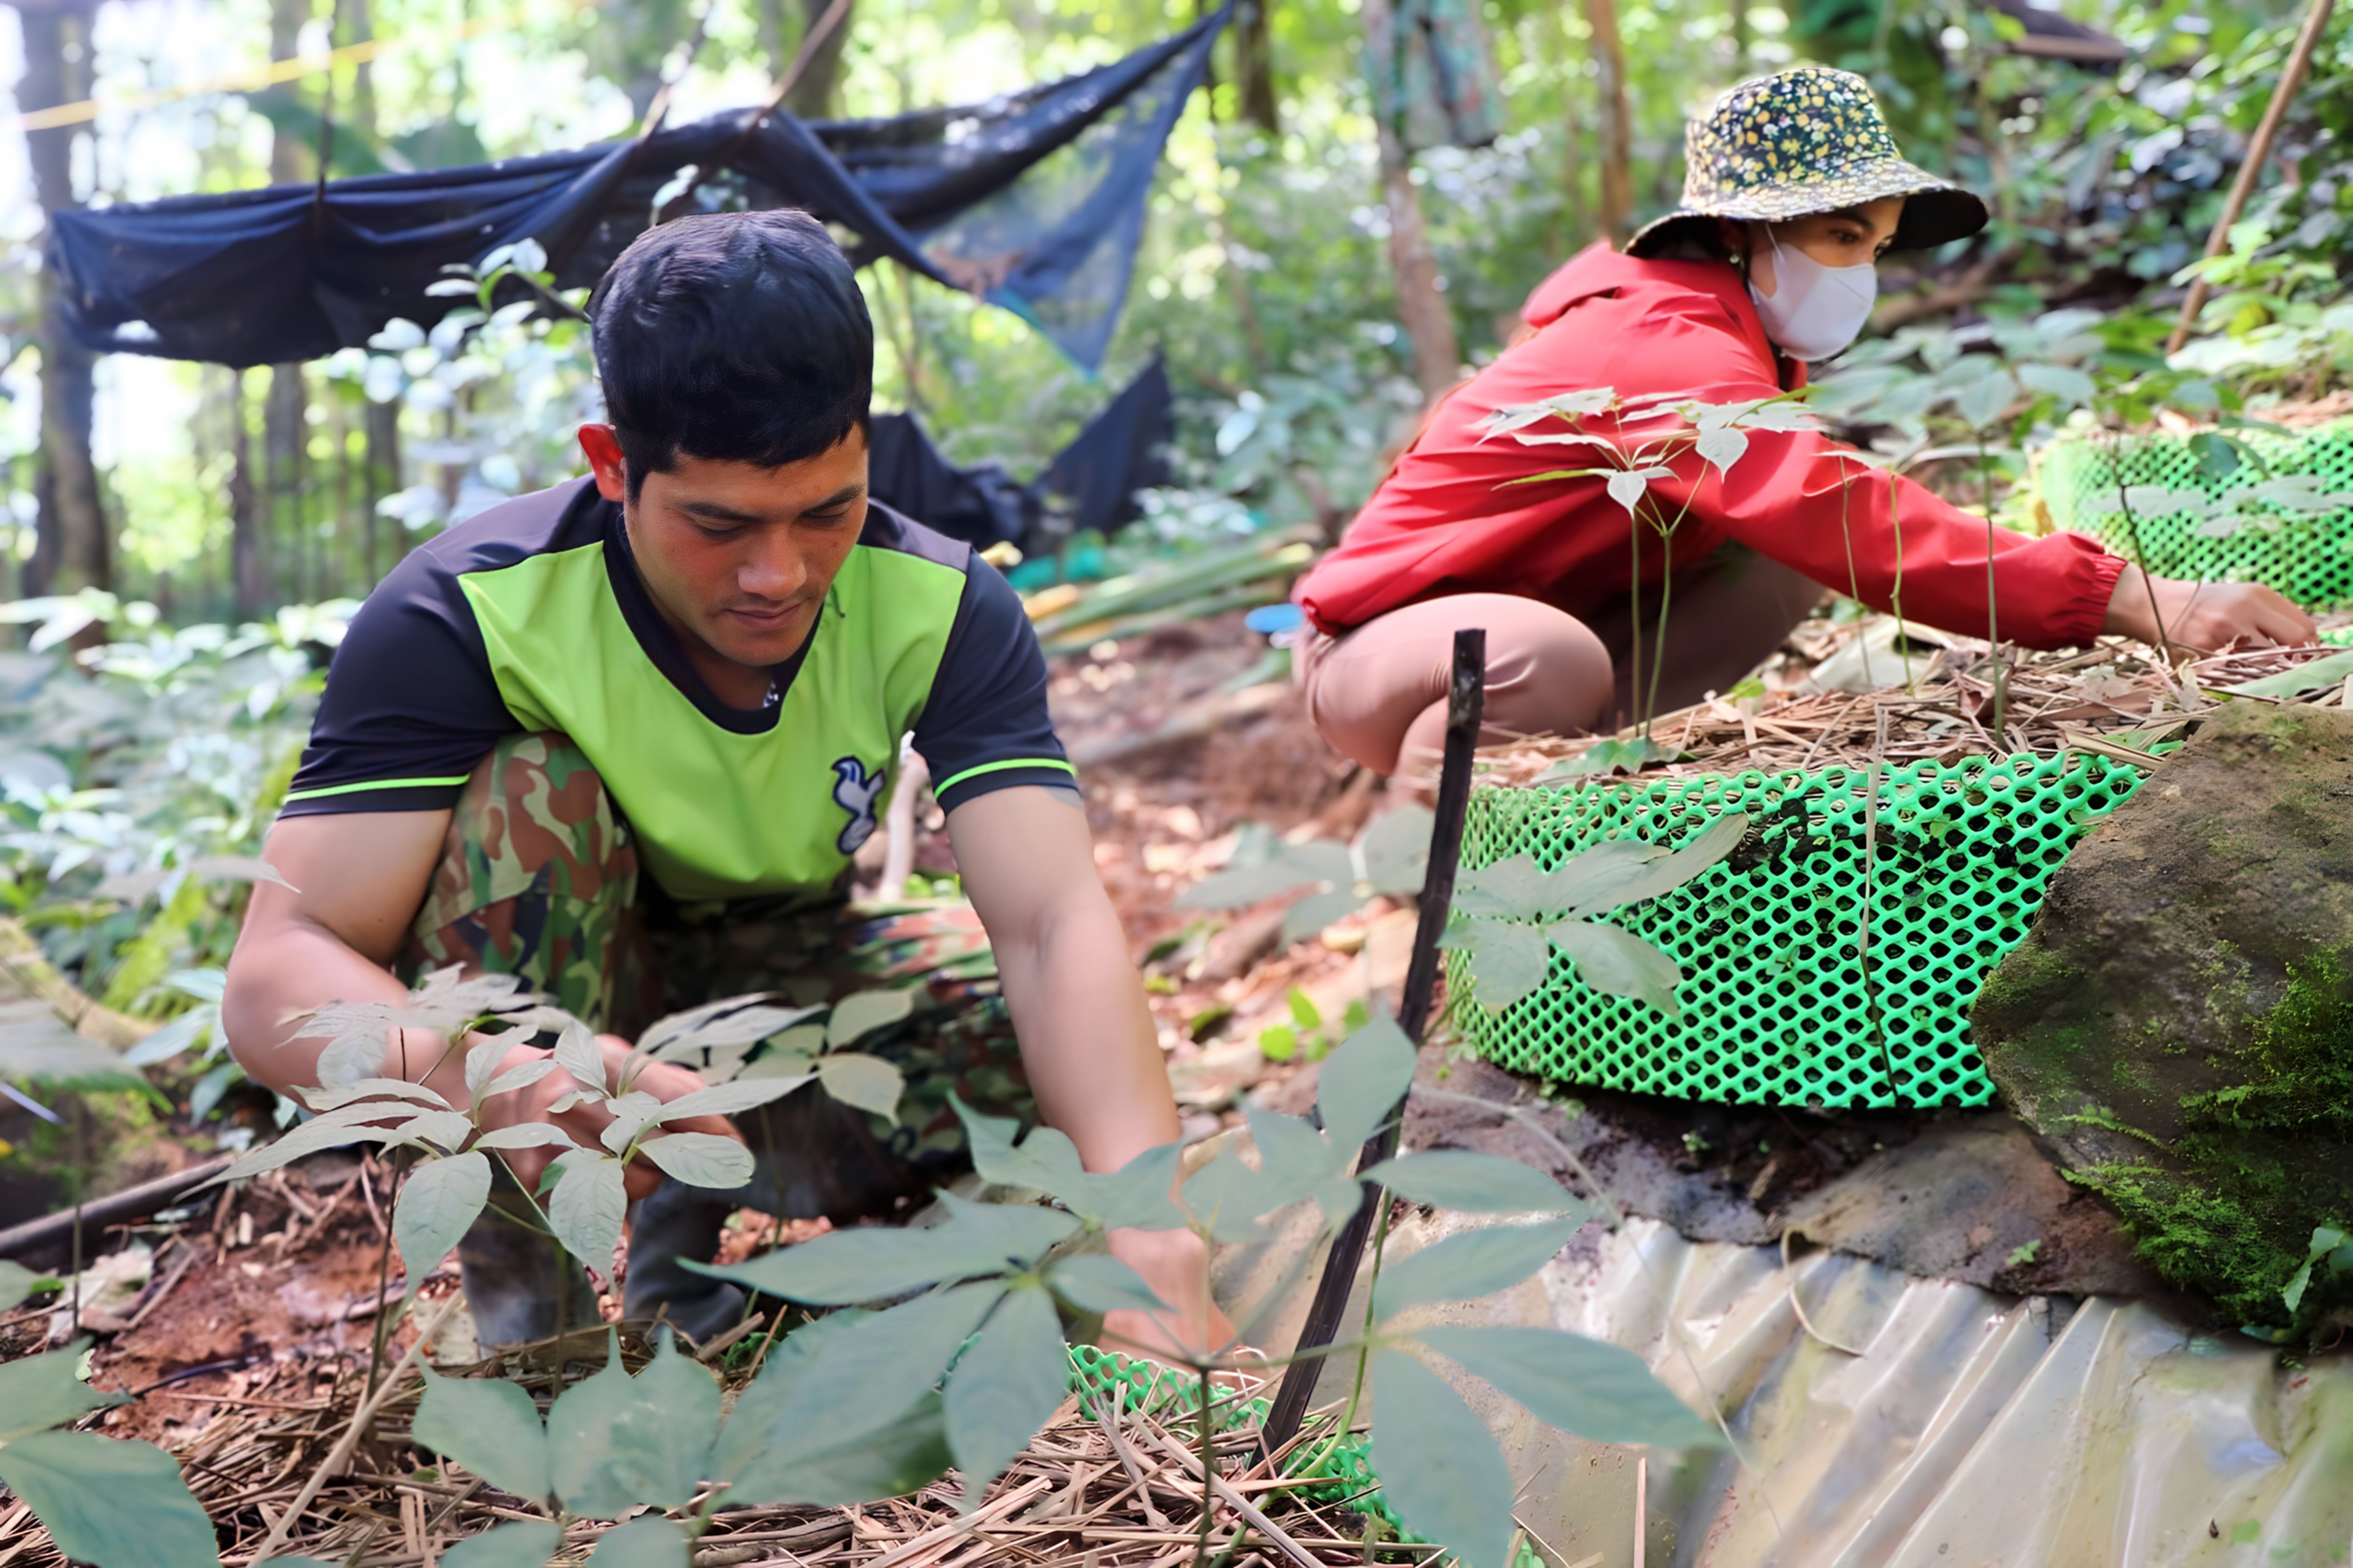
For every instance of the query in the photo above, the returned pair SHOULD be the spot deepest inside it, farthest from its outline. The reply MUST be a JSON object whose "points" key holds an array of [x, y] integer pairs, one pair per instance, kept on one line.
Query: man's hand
{"points": [[586, 1123], [2204, 617]]}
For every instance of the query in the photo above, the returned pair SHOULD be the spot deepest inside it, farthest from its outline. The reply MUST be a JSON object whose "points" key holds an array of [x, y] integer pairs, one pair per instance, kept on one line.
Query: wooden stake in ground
{"points": [[1617, 120], [2259, 152]]}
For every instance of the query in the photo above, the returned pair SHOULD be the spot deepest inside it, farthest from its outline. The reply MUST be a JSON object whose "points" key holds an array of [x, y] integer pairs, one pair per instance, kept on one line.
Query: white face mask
{"points": [[1814, 312]]}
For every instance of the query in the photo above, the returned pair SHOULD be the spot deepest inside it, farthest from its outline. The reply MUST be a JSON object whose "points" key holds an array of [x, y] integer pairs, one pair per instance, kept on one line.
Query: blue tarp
{"points": [[1034, 201]]}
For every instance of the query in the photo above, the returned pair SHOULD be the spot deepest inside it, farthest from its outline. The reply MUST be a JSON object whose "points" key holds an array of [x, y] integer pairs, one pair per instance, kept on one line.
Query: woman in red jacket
{"points": [[1795, 188]]}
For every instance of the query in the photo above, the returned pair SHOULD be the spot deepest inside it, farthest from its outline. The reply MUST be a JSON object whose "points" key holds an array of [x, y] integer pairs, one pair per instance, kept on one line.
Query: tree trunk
{"points": [[1617, 120], [1254, 64], [248, 548], [1740, 40], [1422, 303], [814, 96], [71, 546], [384, 479], [282, 408]]}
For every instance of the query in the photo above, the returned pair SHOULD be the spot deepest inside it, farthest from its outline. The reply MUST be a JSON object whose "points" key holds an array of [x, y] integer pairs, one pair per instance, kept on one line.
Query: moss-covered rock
{"points": [[2178, 1030]]}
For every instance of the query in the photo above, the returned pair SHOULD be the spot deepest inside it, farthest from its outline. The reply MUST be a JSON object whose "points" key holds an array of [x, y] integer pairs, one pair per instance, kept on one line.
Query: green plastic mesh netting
{"points": [[1146, 1385], [1775, 1008], [2306, 556]]}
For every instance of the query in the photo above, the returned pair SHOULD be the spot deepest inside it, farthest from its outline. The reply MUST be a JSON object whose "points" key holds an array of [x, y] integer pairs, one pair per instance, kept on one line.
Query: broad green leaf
{"points": [[331, 1130], [579, 1053], [518, 1543], [446, 1130], [43, 1391], [16, 1282], [1339, 1198], [1471, 1264], [438, 1202], [642, 1544], [523, 1074], [869, 1083], [1137, 1196], [1324, 859], [1359, 1085], [1438, 1465], [1246, 885], [1045, 1162], [1278, 1042], [721, 1025], [169, 1039], [1004, 1388], [1655, 876], [1227, 1197], [526, 1135], [2071, 386], [1507, 963], [1294, 1158], [757, 1407], [1097, 1282], [35, 1044], [586, 1209], [1591, 875], [1316, 910], [1619, 963], [1475, 1183], [615, 1441], [632, 1113], [875, 1263], [1517, 884], [1395, 848], [488, 1426], [855, 1017], [2317, 675], [1583, 1386], [111, 1504], [852, 1411], [701, 1159], [1606, 757], [1723, 445], [730, 1098], [482, 1063]]}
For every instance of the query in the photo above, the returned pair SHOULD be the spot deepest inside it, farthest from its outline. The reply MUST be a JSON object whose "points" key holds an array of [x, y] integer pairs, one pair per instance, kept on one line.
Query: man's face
{"points": [[740, 557]]}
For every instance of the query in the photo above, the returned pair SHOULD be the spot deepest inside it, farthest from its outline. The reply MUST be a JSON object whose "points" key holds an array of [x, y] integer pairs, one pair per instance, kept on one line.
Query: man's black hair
{"points": [[732, 337]]}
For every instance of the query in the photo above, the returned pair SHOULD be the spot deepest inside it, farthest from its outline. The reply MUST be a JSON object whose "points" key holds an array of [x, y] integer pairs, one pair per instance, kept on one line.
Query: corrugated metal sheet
{"points": [[1973, 1430]]}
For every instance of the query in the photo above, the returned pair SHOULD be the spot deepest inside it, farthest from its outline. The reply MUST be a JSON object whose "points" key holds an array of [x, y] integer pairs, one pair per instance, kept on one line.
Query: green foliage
{"points": [[111, 1504], [1509, 916]]}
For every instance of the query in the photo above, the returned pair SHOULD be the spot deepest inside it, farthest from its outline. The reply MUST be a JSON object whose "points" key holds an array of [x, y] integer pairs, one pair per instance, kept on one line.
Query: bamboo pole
{"points": [[2259, 151]]}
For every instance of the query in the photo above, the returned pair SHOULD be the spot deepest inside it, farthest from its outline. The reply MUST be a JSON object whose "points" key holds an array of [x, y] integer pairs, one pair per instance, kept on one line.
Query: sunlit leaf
{"points": [[438, 1202], [1004, 1388], [1722, 445], [1471, 1264], [331, 1130], [1135, 1196], [579, 1053], [483, 1060], [111, 1504], [632, 1113], [523, 1074], [1618, 964], [168, 1040], [1097, 1282], [731, 1099], [526, 1135], [1475, 1183], [875, 1263], [1652, 876], [1438, 1465], [856, 1017], [488, 1426], [16, 1282], [1359, 1085], [445, 1129], [616, 1441], [518, 1543], [325, 1099], [1507, 961], [44, 1390], [869, 1083], [1518, 886], [1583, 1386], [642, 1544], [586, 1209], [701, 1159]]}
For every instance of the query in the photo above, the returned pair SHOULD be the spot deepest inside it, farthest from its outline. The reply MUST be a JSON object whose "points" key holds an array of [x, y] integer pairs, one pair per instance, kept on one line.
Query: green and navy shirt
{"points": [[532, 617]]}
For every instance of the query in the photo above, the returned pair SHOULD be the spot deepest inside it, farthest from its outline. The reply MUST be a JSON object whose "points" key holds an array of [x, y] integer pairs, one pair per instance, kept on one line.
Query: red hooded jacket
{"points": [[1446, 521]]}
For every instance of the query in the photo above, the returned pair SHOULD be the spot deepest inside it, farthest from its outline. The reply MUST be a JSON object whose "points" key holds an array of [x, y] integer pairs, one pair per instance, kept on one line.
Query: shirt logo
{"points": [[856, 791]]}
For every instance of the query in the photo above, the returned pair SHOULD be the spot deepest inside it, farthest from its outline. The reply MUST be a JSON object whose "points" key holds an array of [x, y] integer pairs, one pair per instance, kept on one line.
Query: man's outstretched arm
{"points": [[1087, 1036], [358, 880]]}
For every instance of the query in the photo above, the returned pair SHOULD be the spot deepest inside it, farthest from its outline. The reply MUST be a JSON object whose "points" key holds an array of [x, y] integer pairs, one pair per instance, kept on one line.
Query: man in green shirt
{"points": [[622, 737]]}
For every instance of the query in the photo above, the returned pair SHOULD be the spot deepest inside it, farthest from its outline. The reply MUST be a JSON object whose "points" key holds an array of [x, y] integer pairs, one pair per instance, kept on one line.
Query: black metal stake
{"points": [[1464, 702]]}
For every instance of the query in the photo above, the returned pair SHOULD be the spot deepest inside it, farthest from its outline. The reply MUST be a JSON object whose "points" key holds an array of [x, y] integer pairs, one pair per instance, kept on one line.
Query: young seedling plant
{"points": [[1667, 440]]}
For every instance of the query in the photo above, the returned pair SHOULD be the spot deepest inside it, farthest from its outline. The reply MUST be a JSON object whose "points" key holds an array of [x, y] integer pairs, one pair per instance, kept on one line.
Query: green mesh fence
{"points": [[1775, 1007], [2306, 554], [1149, 1387]]}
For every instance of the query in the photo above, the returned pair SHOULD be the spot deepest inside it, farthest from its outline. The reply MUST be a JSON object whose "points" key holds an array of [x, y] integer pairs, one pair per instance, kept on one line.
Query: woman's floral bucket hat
{"points": [[1806, 140]]}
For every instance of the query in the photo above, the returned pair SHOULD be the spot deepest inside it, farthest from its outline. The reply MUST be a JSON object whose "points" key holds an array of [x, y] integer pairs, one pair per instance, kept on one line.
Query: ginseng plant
{"points": [[1638, 442]]}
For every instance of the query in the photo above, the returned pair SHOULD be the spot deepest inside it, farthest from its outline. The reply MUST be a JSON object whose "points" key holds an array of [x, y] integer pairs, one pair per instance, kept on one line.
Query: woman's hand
{"points": [[1175, 1264], [2204, 617], [586, 1123]]}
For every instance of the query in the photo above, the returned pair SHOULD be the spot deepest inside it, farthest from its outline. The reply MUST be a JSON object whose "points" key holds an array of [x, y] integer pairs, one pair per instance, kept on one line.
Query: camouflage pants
{"points": [[538, 879]]}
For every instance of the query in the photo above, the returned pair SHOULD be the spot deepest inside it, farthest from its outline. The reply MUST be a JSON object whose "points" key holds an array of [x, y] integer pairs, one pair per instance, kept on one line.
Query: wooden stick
{"points": [[1235, 1500], [2259, 151]]}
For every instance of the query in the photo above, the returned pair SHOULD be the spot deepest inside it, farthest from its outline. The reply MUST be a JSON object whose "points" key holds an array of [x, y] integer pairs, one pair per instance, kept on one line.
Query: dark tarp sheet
{"points": [[1034, 200], [1093, 480]]}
